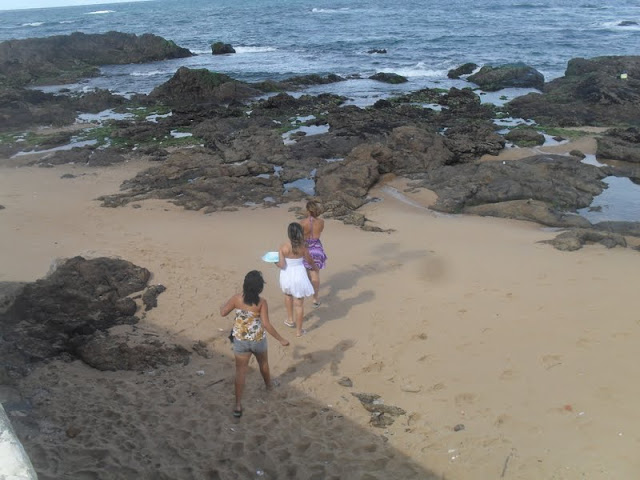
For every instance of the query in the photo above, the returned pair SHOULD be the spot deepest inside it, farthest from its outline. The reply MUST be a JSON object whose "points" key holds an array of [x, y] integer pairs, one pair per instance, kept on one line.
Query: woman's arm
{"points": [[282, 263], [309, 259], [264, 316], [226, 308]]}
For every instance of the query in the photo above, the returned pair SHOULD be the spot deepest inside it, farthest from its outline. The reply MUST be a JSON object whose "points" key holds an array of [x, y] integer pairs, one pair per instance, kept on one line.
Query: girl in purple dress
{"points": [[312, 227]]}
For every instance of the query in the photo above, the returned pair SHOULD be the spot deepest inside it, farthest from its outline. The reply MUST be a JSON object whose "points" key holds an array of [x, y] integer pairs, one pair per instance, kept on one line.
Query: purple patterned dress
{"points": [[315, 250]]}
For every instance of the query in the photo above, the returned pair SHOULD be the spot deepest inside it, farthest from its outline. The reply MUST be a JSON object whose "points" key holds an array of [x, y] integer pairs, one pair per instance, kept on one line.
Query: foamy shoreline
{"points": [[458, 320]]}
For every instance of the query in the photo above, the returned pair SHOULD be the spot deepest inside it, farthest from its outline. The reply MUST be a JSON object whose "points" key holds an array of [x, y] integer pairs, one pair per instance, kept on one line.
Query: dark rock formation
{"points": [[201, 86], [220, 48], [392, 78], [125, 352], [150, 296], [22, 107], [516, 75], [464, 69], [575, 239], [562, 182], [525, 137], [58, 314], [591, 92], [67, 58], [620, 144], [622, 228], [530, 210], [627, 23], [377, 50]]}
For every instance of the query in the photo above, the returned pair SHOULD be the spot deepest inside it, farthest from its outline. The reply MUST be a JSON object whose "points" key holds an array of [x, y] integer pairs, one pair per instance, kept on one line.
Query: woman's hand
{"points": [[284, 342]]}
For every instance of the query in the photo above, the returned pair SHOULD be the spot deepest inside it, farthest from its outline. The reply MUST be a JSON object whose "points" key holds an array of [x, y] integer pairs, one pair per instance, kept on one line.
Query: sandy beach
{"points": [[512, 360]]}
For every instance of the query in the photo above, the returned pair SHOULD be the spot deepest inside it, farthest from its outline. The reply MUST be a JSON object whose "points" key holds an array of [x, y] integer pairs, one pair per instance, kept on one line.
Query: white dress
{"points": [[294, 280]]}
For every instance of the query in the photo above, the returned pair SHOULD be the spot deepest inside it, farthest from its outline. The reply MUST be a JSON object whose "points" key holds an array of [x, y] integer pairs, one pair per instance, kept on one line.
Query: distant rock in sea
{"points": [[67, 58], [220, 48]]}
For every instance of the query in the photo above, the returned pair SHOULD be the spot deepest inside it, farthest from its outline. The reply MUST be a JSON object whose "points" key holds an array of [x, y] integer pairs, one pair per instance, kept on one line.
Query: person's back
{"points": [[312, 227]]}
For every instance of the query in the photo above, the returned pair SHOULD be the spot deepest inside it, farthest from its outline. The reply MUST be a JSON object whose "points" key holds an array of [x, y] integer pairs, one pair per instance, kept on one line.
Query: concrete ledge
{"points": [[14, 462]]}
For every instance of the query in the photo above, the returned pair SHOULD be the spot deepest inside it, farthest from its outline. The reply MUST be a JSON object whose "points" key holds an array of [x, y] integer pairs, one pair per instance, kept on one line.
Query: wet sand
{"points": [[458, 320]]}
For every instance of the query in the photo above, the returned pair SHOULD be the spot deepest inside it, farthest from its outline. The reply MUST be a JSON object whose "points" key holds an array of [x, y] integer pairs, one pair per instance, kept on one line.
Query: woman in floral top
{"points": [[248, 334]]}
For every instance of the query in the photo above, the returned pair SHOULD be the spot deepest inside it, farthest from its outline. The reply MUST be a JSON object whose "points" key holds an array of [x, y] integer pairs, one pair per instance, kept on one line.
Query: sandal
{"points": [[316, 304], [237, 413], [303, 332], [290, 325]]}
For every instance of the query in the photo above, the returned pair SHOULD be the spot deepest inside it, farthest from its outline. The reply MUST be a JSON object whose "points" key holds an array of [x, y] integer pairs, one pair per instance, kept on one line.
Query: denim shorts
{"points": [[247, 346]]}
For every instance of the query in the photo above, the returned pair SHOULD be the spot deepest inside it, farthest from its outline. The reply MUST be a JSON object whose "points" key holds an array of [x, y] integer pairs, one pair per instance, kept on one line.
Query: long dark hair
{"points": [[296, 236], [252, 287]]}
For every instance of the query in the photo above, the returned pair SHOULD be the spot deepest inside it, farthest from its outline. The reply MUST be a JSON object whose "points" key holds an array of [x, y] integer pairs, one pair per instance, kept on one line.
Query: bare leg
{"points": [[298, 307], [314, 277], [242, 365], [263, 363], [288, 303]]}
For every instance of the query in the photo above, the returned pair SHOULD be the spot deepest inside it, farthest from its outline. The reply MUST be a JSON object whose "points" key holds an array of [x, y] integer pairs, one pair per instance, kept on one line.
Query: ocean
{"points": [[275, 39]]}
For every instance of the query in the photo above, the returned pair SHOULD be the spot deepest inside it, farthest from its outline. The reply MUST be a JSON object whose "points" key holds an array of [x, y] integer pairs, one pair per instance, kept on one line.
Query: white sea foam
{"points": [[616, 24], [254, 49], [100, 12], [33, 24], [418, 70], [149, 74], [66, 21], [330, 10]]}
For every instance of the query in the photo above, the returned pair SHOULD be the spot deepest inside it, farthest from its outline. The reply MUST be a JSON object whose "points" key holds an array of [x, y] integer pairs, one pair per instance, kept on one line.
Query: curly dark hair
{"points": [[296, 236], [252, 287]]}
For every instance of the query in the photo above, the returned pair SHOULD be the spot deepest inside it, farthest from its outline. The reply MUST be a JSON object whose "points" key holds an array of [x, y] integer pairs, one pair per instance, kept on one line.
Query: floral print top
{"points": [[247, 326]]}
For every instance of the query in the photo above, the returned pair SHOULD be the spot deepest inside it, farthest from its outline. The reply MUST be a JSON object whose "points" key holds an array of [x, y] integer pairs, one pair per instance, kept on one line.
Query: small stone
{"points": [[73, 431], [458, 427], [345, 382]]}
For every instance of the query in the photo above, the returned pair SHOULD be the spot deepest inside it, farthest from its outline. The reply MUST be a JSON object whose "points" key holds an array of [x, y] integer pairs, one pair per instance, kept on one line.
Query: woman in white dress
{"points": [[294, 280]]}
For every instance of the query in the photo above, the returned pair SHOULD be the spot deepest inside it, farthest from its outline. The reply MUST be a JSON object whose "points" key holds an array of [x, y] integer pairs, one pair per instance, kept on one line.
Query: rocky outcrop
{"points": [[67, 58], [201, 86], [464, 69], [563, 183], [57, 314], [592, 92], [529, 210], [515, 75], [620, 144], [575, 239], [525, 137], [220, 48], [392, 78]]}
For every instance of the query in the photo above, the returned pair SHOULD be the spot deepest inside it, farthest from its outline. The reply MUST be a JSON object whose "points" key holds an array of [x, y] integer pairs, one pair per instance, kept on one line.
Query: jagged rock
{"points": [[620, 144], [201, 86], [220, 48], [464, 69], [575, 239], [55, 315], [377, 50], [67, 58], [516, 75], [562, 182], [392, 78], [530, 210], [525, 137], [621, 228], [150, 296], [591, 92]]}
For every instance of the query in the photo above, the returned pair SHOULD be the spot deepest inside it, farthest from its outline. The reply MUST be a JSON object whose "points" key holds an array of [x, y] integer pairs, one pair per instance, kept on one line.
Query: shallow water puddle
{"points": [[619, 202]]}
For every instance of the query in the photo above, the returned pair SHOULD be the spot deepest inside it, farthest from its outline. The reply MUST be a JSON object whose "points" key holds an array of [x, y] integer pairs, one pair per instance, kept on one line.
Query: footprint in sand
{"points": [[508, 375], [465, 399], [550, 361]]}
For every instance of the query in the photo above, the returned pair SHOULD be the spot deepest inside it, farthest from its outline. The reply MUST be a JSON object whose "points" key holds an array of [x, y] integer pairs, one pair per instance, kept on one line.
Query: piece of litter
{"points": [[451, 450], [260, 473], [200, 372], [580, 414], [221, 329]]}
